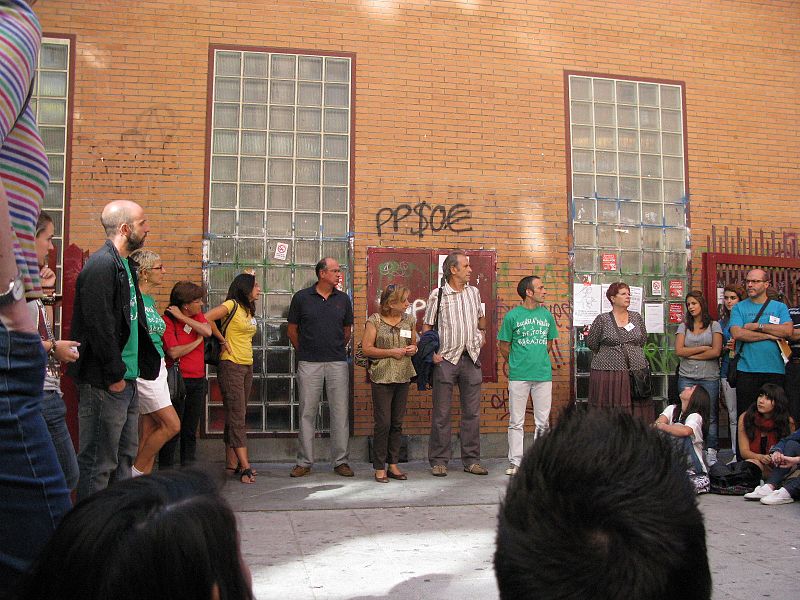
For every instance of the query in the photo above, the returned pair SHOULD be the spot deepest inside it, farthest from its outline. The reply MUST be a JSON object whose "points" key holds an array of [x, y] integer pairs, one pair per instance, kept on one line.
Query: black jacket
{"points": [[101, 321], [427, 346]]}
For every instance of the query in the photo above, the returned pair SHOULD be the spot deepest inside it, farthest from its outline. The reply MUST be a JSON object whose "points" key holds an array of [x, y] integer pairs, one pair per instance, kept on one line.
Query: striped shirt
{"points": [[24, 170], [458, 321]]}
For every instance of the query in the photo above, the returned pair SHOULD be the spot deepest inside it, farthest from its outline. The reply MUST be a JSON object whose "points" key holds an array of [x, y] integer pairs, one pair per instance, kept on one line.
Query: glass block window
{"points": [[279, 193], [50, 102], [629, 200]]}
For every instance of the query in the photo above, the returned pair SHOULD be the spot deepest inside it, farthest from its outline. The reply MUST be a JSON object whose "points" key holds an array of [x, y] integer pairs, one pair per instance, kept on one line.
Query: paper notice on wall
{"points": [[720, 296], [281, 250], [656, 288], [654, 317], [636, 299], [441, 269], [605, 305], [586, 304]]}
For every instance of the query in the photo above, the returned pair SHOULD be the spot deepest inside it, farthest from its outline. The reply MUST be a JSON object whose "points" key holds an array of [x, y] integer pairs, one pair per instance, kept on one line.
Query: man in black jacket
{"points": [[109, 322]]}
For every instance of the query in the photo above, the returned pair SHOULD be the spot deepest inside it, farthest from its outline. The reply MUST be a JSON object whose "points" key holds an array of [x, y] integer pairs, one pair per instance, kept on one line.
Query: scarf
{"points": [[764, 427]]}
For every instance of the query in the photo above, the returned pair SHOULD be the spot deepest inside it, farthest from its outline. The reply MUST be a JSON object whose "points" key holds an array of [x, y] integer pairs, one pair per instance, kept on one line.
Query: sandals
{"points": [[237, 470], [247, 476]]}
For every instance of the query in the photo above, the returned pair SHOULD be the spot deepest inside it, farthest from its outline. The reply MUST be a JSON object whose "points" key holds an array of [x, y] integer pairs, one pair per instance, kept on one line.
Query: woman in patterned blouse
{"points": [[617, 340], [390, 341]]}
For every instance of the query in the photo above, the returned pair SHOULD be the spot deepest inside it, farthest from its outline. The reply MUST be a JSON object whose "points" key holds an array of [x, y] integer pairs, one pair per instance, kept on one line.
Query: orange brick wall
{"points": [[456, 101]]}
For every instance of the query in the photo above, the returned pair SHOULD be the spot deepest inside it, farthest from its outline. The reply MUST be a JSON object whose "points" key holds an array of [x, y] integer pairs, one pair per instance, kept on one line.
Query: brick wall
{"points": [[455, 102]]}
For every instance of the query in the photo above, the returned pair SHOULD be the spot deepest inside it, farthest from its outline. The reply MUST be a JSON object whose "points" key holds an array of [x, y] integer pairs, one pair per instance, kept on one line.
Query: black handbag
{"points": [[734, 361], [213, 347], [641, 380], [177, 387]]}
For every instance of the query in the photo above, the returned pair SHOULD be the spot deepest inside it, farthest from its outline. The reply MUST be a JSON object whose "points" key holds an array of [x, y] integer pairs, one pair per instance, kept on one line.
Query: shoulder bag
{"points": [[641, 379], [734, 362], [175, 383], [213, 348]]}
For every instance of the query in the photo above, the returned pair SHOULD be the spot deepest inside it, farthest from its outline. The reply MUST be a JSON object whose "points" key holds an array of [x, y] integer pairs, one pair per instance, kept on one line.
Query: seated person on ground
{"points": [[601, 508], [169, 536], [785, 458], [687, 424], [762, 425]]}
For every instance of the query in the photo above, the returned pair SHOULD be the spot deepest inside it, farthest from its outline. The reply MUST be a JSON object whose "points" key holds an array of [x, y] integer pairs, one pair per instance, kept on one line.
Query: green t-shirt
{"points": [[528, 332], [155, 324], [130, 353]]}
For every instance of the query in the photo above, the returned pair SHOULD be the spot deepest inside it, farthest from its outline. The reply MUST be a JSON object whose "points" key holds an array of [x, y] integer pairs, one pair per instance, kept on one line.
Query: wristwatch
{"points": [[15, 291]]}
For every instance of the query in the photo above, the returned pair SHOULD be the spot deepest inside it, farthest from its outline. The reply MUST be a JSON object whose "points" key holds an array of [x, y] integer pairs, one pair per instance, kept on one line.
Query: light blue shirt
{"points": [[763, 356]]}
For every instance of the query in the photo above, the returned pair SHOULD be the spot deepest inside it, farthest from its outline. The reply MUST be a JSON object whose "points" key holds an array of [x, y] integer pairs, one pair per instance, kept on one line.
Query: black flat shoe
{"points": [[383, 479], [400, 476]]}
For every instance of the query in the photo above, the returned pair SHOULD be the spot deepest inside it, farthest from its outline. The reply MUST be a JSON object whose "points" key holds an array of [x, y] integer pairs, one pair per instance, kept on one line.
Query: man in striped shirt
{"points": [[462, 333]]}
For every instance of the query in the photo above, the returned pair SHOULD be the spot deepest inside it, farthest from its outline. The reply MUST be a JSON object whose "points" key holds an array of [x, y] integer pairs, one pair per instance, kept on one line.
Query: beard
{"points": [[134, 242]]}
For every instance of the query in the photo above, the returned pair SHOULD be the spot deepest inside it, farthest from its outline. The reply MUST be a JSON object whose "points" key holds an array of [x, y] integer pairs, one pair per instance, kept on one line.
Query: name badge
{"points": [[629, 327], [187, 328], [253, 321], [774, 320], [405, 333]]}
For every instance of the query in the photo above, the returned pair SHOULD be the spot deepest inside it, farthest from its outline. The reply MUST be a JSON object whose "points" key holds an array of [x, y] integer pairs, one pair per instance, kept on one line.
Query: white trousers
{"points": [[541, 393]]}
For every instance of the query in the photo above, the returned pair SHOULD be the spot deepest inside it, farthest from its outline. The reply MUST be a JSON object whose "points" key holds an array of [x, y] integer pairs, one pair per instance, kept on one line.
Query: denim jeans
{"points": [[778, 475], [108, 423], [712, 387], [55, 413], [189, 409], [33, 493]]}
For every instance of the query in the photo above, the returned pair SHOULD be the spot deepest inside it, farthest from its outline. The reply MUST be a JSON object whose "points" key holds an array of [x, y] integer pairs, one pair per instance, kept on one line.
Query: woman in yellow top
{"points": [[389, 340], [235, 370]]}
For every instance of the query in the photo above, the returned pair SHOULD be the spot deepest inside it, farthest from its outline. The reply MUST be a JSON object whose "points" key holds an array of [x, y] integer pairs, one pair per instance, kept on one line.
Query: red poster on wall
{"points": [[675, 288], [609, 261], [675, 312], [418, 269]]}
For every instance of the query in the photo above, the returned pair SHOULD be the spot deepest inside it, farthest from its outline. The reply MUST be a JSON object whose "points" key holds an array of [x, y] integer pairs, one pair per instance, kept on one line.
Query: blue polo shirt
{"points": [[321, 324], [763, 356]]}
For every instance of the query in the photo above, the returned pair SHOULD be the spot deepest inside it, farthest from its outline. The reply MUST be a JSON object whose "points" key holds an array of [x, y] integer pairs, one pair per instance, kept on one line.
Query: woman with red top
{"points": [[763, 425], [184, 339]]}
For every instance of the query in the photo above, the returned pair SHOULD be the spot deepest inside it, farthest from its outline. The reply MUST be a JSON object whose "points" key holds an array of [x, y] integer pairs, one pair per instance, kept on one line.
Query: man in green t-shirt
{"points": [[525, 341]]}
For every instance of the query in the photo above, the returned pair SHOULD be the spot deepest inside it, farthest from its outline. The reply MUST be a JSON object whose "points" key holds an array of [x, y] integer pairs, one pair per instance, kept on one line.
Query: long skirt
{"points": [[612, 389]]}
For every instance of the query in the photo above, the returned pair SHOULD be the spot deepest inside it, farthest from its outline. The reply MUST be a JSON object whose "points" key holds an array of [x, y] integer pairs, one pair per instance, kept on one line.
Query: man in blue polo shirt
{"points": [[760, 359], [320, 321]]}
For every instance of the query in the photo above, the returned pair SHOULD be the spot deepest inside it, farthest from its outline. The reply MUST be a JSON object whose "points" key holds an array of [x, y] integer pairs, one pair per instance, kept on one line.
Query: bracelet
{"points": [[52, 352]]}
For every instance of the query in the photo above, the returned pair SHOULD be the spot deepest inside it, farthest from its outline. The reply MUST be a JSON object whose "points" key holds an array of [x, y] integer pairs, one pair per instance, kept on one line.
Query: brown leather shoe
{"points": [[399, 476], [344, 470], [476, 469], [383, 479], [300, 471]]}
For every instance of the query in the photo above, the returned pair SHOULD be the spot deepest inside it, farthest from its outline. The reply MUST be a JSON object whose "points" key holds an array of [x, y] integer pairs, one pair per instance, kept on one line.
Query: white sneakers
{"points": [[512, 469], [781, 496], [711, 456], [761, 491], [770, 497]]}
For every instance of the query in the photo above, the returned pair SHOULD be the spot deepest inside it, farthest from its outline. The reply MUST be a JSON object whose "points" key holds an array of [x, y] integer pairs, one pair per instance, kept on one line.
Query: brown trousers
{"points": [[235, 383]]}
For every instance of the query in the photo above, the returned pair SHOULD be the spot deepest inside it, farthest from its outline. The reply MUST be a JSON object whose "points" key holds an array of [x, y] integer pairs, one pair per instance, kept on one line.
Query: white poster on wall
{"points": [[636, 299], [654, 317], [586, 304]]}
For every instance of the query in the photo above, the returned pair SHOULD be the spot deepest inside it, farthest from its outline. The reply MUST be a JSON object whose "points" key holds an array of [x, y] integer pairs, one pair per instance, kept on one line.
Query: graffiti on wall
{"points": [[423, 217]]}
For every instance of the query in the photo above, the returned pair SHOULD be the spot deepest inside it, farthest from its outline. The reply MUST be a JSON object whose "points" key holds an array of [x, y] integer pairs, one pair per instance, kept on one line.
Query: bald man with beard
{"points": [[109, 322]]}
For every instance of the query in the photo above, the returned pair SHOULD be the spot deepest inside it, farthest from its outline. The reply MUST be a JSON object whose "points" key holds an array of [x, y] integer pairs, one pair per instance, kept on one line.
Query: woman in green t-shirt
{"points": [[158, 422]]}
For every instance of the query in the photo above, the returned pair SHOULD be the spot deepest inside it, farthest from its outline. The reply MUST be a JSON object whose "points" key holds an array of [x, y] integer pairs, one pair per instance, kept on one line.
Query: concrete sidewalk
{"points": [[330, 537]]}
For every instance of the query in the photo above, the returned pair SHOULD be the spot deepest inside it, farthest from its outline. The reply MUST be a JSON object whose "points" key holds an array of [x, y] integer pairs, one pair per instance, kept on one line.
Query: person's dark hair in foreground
{"points": [[164, 536], [601, 508]]}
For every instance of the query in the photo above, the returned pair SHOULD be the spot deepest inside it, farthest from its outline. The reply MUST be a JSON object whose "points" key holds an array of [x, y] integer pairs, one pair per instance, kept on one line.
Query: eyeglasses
{"points": [[755, 281]]}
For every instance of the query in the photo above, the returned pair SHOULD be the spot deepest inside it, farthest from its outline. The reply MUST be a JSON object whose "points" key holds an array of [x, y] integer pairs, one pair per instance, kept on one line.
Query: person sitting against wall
{"points": [[686, 424], [168, 535], [761, 427], [785, 457]]}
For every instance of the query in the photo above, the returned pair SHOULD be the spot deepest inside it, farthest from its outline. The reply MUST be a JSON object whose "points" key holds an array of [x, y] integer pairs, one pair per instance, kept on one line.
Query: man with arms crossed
{"points": [[462, 333], [760, 361], [525, 341], [110, 325], [320, 322]]}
